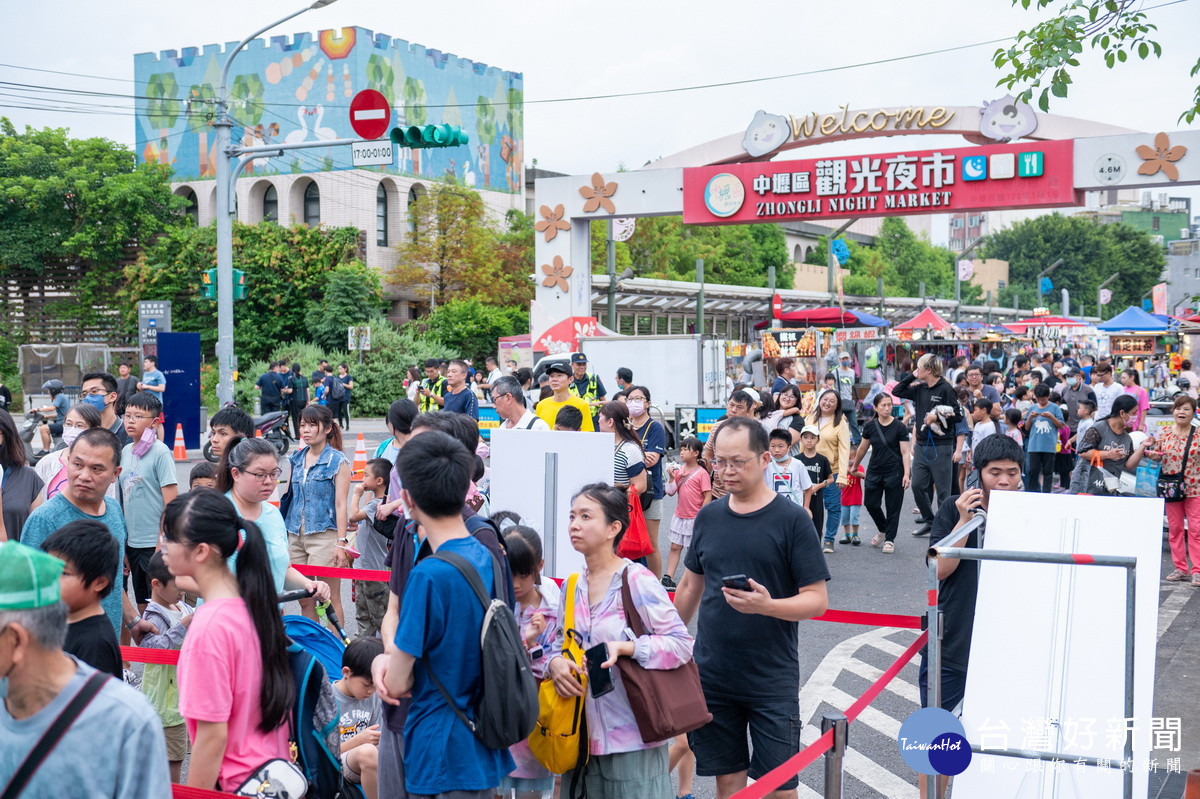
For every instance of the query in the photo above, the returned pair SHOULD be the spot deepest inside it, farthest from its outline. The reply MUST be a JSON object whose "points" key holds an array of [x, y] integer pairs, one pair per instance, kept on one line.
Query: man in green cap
{"points": [[114, 745]]}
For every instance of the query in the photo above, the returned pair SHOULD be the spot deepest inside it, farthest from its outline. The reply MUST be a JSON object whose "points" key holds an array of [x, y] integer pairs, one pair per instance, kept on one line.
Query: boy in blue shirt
{"points": [[439, 627], [1041, 425]]}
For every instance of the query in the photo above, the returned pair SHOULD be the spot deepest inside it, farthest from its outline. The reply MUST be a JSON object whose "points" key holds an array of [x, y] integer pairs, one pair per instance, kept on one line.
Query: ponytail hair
{"points": [[524, 548], [321, 416], [619, 414], [237, 455], [204, 516]]}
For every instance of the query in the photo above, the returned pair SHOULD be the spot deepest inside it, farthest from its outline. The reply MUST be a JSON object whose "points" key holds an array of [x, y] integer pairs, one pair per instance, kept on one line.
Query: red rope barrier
{"points": [[349, 574], [162, 657], [871, 619], [189, 792], [805, 757]]}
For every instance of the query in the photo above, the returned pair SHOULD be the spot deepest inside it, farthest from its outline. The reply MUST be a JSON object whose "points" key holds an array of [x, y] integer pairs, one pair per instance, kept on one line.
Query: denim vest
{"points": [[313, 494]]}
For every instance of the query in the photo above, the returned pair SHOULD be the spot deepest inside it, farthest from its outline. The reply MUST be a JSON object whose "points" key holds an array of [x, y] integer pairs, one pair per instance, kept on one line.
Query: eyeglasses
{"points": [[133, 417], [496, 397], [723, 464], [263, 477], [95, 391]]}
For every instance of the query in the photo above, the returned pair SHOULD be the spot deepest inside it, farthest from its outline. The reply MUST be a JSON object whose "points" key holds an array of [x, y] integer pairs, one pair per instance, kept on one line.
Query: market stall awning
{"points": [[827, 316], [1023, 325], [1134, 319], [982, 326], [926, 318]]}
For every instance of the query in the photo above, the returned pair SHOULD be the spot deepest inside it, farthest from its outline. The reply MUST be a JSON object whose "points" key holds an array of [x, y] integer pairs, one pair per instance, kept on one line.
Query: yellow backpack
{"points": [[560, 739]]}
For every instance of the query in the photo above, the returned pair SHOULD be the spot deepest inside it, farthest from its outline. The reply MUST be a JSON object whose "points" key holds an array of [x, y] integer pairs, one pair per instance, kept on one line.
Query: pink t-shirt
{"points": [[1143, 405], [691, 493], [220, 679]]}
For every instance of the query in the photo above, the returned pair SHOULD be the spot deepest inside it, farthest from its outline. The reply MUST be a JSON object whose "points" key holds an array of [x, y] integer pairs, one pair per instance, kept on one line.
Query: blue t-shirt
{"points": [[274, 532], [269, 383], [440, 619], [58, 511], [1043, 434], [154, 378], [346, 381], [654, 439], [61, 406], [463, 402], [779, 385]]}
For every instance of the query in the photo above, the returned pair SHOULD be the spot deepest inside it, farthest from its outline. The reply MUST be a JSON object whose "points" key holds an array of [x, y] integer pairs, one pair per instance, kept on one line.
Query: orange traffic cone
{"points": [[180, 447], [258, 433], [358, 469]]}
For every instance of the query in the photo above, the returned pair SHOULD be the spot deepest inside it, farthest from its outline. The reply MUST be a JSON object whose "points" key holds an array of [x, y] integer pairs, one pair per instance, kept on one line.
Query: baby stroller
{"points": [[315, 655]]}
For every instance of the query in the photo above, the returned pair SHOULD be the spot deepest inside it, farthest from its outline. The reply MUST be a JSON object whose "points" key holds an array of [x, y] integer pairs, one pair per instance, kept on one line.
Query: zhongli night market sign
{"points": [[1021, 175]]}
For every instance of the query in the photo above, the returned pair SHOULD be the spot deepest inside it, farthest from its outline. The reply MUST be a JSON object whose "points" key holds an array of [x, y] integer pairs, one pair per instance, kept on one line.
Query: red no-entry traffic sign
{"points": [[370, 114]]}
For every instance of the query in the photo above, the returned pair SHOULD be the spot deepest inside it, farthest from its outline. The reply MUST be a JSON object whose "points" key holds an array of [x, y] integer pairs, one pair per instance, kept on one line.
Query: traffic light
{"points": [[422, 137], [208, 284], [239, 284]]}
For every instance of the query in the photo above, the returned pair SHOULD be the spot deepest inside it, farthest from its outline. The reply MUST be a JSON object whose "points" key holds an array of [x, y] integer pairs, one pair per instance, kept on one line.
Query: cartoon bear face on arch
{"points": [[767, 132], [1006, 119]]}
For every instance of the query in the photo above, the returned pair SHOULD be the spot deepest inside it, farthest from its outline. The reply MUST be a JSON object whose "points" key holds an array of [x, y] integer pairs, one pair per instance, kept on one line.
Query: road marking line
{"points": [[1172, 605], [887, 645], [901, 688], [875, 719]]}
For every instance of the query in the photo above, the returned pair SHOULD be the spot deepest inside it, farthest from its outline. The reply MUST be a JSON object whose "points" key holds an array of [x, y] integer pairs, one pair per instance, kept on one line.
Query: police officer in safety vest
{"points": [[583, 385], [433, 388]]}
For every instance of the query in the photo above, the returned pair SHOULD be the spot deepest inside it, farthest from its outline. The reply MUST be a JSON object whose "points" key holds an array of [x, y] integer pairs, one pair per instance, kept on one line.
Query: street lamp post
{"points": [[1042, 274], [1100, 295], [226, 208], [958, 278]]}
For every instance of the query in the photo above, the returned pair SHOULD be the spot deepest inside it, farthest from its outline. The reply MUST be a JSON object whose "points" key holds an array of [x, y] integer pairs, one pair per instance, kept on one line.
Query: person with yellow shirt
{"points": [[560, 381]]}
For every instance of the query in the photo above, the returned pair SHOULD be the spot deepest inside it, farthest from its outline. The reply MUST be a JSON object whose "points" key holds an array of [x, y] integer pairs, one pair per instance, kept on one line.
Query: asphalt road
{"points": [[838, 662]]}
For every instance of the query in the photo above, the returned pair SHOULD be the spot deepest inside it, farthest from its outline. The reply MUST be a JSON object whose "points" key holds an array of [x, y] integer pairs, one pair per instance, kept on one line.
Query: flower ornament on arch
{"points": [[553, 346], [1162, 156], [585, 329], [552, 221], [597, 195], [556, 275]]}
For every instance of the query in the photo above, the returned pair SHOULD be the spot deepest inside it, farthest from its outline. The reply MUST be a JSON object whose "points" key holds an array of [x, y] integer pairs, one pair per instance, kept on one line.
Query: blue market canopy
{"points": [[1135, 319], [983, 326]]}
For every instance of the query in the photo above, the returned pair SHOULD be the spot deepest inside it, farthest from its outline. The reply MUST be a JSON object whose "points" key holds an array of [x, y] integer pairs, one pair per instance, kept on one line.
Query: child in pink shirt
{"points": [[694, 486]]}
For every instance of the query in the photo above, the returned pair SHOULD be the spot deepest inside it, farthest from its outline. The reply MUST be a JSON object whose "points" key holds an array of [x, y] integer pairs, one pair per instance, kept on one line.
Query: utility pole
{"points": [[611, 259], [1100, 295], [1042, 274], [227, 175], [958, 278]]}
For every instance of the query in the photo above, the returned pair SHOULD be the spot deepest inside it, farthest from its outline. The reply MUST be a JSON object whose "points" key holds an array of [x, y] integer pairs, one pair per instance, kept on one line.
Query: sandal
{"points": [[1176, 576], [877, 540], [888, 547]]}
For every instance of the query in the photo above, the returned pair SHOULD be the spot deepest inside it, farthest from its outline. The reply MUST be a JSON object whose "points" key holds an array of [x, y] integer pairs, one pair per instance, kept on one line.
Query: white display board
{"points": [[519, 481], [1047, 653]]}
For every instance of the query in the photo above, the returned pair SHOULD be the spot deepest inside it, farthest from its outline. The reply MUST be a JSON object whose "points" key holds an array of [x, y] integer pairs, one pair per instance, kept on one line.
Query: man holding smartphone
{"points": [[750, 600]]}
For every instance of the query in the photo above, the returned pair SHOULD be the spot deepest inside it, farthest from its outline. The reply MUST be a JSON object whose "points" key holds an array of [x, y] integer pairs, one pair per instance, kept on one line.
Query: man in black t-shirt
{"points": [[746, 642], [268, 385], [998, 460], [819, 472]]}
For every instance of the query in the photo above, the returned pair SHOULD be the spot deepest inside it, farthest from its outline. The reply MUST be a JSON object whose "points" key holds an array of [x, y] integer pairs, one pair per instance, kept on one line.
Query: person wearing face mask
{"points": [[101, 391], [654, 446], [1073, 391], [148, 484], [53, 468]]}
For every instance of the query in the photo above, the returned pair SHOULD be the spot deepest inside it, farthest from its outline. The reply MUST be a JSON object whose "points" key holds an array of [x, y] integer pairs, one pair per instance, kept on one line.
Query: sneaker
{"points": [[668, 583], [1196, 579], [1176, 576], [888, 547], [923, 529], [844, 539], [854, 540], [828, 550], [877, 540]]}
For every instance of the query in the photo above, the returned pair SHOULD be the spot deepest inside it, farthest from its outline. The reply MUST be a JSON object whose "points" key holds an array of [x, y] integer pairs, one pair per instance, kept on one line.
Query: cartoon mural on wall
{"points": [[300, 90]]}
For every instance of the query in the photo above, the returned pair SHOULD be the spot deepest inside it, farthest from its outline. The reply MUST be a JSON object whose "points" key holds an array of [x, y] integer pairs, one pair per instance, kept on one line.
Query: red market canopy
{"points": [[828, 316], [1043, 321], [926, 318]]}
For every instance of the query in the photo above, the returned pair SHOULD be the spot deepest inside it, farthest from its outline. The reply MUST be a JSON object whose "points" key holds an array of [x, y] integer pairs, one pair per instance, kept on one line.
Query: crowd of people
{"points": [[112, 550]]}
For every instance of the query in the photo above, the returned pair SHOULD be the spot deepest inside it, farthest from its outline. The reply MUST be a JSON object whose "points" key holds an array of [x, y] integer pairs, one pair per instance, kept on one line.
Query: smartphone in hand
{"points": [[738, 582], [599, 678]]}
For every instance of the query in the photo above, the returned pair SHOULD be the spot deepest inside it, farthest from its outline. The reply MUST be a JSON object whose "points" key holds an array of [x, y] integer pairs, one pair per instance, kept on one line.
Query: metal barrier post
{"points": [[550, 512], [933, 662], [833, 758]]}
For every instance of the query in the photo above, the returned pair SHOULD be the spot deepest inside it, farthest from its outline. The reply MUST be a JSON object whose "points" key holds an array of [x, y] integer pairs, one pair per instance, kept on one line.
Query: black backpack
{"points": [[506, 709], [337, 389]]}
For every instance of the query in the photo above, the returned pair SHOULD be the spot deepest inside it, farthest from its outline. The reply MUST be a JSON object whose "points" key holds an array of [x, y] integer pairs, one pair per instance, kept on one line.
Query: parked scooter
{"points": [[273, 427], [33, 442]]}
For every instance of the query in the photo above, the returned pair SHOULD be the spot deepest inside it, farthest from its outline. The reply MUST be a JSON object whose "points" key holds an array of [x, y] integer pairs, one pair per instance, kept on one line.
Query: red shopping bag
{"points": [[636, 543]]}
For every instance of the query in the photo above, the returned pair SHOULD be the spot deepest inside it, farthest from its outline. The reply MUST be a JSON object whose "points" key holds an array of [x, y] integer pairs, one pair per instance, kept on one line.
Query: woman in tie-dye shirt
{"points": [[537, 613], [621, 764]]}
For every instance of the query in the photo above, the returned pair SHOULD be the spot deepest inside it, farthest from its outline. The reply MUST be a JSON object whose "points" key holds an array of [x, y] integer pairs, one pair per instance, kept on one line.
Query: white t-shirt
{"points": [[528, 421], [789, 479], [494, 375], [1105, 396], [981, 431]]}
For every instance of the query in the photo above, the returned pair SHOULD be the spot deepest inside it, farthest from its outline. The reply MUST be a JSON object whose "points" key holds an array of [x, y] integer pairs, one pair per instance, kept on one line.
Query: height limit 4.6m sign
{"points": [[1025, 175]]}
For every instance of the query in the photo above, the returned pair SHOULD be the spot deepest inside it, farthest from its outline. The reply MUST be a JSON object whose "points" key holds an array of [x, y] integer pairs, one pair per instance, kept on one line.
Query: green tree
{"points": [[453, 253], [598, 242], [471, 329], [1090, 253], [665, 248], [1043, 56], [287, 271], [78, 201], [353, 296]]}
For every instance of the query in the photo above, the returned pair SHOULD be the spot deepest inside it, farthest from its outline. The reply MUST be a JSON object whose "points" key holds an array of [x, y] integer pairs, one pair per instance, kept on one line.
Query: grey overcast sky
{"points": [[573, 49]]}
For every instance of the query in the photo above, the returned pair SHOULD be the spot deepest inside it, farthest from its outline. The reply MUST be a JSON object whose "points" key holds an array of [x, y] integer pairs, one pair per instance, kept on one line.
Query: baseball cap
{"points": [[810, 428], [559, 367], [843, 354], [578, 357], [28, 577]]}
